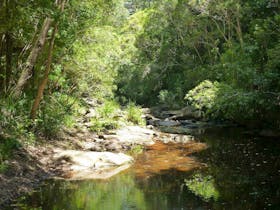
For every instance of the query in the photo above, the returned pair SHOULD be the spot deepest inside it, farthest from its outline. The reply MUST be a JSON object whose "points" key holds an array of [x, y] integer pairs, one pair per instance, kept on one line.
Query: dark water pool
{"points": [[234, 172]]}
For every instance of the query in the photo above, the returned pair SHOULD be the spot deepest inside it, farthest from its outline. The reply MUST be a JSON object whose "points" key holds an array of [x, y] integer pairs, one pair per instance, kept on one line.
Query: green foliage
{"points": [[203, 96], [218, 100], [108, 117], [111, 116], [7, 146], [154, 56], [179, 44], [109, 109], [203, 186], [167, 98], [15, 121], [58, 110], [134, 114], [222, 101]]}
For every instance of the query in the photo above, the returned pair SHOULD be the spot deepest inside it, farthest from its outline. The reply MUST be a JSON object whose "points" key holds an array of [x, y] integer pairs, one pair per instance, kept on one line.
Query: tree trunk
{"points": [[26, 73], [44, 82], [45, 78], [2, 70], [9, 54], [238, 24]]}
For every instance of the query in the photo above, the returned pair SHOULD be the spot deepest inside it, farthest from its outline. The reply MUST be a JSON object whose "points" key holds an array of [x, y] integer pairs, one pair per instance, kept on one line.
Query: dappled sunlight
{"points": [[122, 96]]}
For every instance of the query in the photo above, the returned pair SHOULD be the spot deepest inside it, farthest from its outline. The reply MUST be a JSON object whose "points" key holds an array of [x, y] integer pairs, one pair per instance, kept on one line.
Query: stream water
{"points": [[227, 170]]}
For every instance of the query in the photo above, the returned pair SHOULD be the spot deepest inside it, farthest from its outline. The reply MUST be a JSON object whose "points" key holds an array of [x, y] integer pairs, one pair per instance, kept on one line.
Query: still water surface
{"points": [[231, 172]]}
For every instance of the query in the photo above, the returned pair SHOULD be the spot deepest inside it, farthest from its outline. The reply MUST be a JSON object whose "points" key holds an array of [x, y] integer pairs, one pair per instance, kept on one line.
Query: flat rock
{"points": [[86, 162], [135, 135], [168, 123]]}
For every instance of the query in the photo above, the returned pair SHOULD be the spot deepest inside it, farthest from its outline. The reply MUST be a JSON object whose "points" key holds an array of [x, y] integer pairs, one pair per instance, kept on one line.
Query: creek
{"points": [[226, 170]]}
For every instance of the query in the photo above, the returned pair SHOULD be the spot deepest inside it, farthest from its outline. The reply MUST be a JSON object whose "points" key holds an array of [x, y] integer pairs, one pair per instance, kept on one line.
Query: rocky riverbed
{"points": [[79, 154]]}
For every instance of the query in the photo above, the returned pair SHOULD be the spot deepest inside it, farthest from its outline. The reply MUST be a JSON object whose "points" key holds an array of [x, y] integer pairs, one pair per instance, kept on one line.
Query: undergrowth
{"points": [[111, 116]]}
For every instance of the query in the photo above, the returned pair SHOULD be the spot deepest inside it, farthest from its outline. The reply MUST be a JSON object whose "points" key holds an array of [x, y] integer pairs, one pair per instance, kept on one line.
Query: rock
{"points": [[150, 127], [135, 135], [168, 123], [97, 148], [90, 102], [109, 137], [91, 113], [170, 113], [92, 159], [153, 122], [84, 163], [146, 111], [183, 130], [186, 113], [89, 146], [149, 117], [114, 147], [88, 124]]}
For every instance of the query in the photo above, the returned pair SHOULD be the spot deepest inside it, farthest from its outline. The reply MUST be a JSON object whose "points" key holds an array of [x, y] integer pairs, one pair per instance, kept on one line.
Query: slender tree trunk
{"points": [[9, 44], [9, 54], [28, 46], [44, 82], [32, 58], [239, 32], [2, 69], [238, 24]]}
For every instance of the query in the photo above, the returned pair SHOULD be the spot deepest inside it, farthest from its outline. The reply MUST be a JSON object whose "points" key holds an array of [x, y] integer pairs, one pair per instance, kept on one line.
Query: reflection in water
{"points": [[241, 173], [203, 186]]}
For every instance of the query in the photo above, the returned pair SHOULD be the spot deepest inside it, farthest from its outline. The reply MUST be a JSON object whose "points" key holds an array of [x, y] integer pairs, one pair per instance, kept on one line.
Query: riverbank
{"points": [[31, 164]]}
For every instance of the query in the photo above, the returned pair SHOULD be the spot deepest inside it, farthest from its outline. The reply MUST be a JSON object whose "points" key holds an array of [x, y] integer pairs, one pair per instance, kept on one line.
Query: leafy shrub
{"points": [[222, 101], [203, 96], [134, 114], [108, 109], [57, 110], [108, 115], [103, 124], [14, 119]]}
